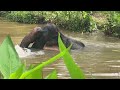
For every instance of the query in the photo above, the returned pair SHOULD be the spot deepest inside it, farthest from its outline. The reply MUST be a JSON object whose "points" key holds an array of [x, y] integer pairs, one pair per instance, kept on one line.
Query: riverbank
{"points": [[107, 22]]}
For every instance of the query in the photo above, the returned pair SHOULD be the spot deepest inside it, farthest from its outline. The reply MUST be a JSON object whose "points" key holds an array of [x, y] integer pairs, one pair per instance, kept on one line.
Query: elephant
{"points": [[48, 36], [39, 36], [53, 33]]}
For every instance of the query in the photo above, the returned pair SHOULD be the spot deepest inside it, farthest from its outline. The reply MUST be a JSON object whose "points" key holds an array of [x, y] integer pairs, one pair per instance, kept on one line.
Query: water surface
{"points": [[100, 58]]}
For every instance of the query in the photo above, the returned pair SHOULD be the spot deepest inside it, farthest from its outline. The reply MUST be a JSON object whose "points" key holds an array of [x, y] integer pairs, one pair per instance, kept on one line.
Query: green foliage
{"points": [[40, 66], [22, 16], [112, 27], [52, 75], [79, 21], [74, 70], [17, 73], [9, 60], [12, 68], [35, 74]]}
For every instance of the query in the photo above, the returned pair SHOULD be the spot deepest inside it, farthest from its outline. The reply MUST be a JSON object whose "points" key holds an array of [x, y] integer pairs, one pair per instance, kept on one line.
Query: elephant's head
{"points": [[47, 33], [50, 31], [31, 37]]}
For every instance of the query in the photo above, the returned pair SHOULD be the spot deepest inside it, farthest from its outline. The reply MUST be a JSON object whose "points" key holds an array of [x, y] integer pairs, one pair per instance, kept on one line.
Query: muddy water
{"points": [[100, 58]]}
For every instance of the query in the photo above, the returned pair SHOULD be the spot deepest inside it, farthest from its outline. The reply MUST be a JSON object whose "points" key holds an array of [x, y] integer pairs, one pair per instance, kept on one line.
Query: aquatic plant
{"points": [[12, 68]]}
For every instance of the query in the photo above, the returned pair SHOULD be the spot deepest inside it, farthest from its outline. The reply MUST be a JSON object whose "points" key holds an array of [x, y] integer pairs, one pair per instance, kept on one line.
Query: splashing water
{"points": [[25, 52]]}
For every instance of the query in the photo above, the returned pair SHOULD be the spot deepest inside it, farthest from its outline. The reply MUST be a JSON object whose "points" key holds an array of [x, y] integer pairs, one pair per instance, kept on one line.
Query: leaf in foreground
{"points": [[52, 75], [37, 74], [9, 59], [18, 72], [74, 71], [51, 60]]}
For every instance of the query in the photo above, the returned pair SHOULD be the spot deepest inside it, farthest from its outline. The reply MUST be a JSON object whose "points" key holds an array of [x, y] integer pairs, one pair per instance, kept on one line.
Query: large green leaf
{"points": [[37, 74], [52, 75], [9, 59], [74, 70], [31, 66], [18, 72], [39, 67]]}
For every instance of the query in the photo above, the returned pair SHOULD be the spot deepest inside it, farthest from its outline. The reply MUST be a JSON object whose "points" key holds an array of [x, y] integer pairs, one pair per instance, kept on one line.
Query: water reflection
{"points": [[99, 59]]}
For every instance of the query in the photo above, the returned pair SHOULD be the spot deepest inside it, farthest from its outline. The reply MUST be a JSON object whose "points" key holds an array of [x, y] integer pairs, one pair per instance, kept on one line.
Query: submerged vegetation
{"points": [[12, 68]]}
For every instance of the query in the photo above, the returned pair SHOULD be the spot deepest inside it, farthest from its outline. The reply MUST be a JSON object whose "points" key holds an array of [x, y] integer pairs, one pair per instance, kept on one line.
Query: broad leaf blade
{"points": [[31, 66], [74, 70], [52, 75], [18, 73], [9, 59], [37, 74]]}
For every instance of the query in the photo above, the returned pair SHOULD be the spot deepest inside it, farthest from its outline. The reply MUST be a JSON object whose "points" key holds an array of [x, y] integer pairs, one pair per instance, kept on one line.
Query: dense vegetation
{"points": [[79, 21]]}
